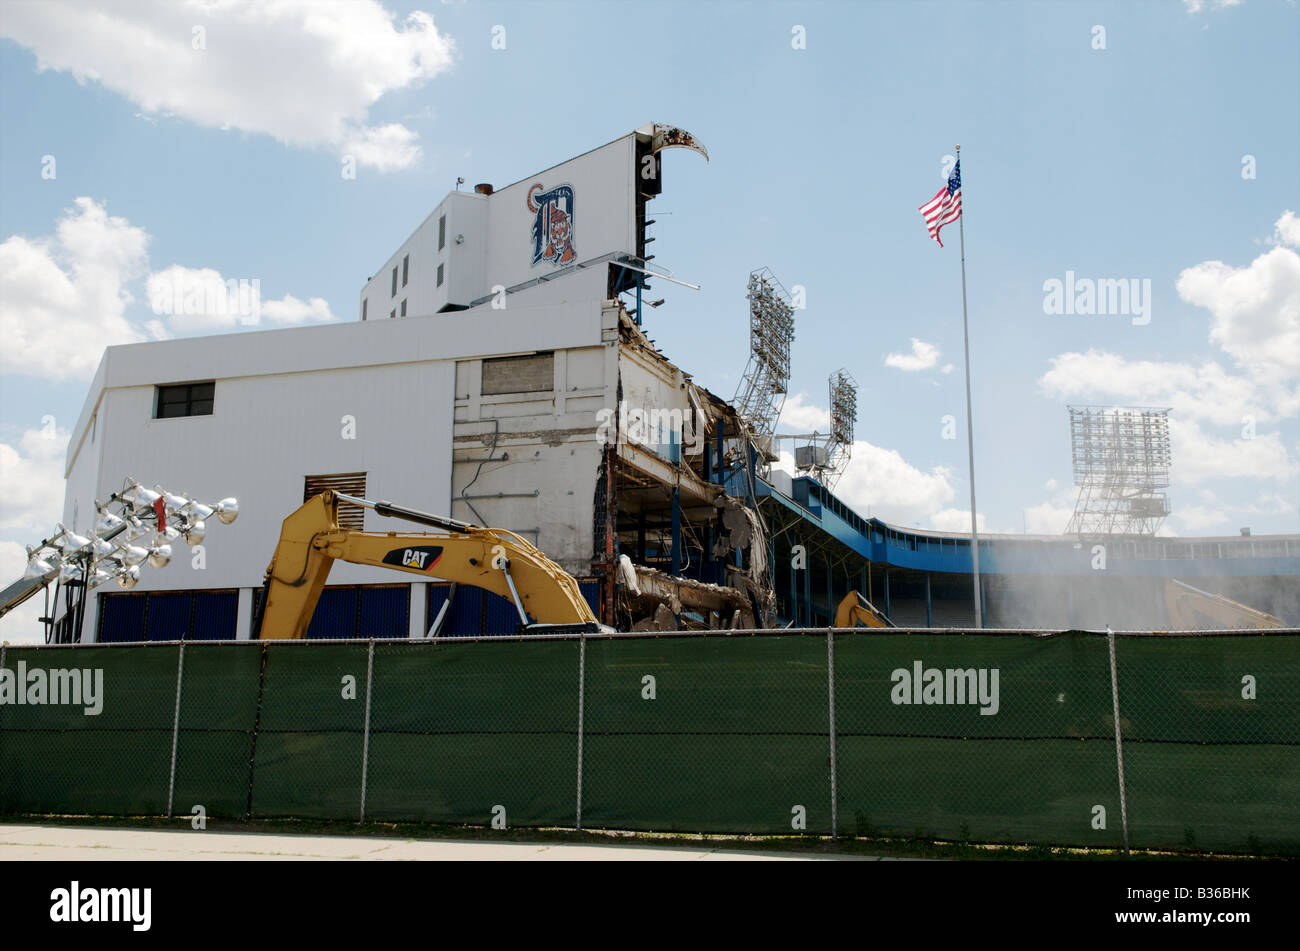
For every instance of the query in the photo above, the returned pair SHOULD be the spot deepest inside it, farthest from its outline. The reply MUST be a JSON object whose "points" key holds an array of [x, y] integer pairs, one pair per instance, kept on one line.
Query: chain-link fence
{"points": [[1005, 736]]}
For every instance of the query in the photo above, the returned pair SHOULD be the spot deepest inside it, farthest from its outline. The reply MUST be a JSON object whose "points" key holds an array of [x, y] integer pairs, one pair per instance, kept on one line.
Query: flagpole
{"points": [[970, 431]]}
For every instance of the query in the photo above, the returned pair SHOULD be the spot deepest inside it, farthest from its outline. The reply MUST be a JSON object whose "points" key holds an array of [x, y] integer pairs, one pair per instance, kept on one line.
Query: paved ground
{"points": [[84, 843]]}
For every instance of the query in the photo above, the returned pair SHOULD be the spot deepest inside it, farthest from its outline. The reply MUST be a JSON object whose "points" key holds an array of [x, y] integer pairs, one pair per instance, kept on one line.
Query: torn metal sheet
{"points": [[671, 137]]}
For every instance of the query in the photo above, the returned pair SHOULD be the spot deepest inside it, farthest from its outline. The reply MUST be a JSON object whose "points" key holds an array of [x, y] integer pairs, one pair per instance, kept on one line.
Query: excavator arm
{"points": [[1191, 609], [857, 611], [493, 559]]}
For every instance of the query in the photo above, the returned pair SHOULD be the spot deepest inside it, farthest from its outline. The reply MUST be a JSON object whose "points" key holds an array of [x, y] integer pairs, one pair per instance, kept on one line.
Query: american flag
{"points": [[945, 207]]}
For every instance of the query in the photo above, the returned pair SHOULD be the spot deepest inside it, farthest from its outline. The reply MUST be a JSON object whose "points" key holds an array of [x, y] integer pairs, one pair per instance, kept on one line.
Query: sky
{"points": [[1152, 142]]}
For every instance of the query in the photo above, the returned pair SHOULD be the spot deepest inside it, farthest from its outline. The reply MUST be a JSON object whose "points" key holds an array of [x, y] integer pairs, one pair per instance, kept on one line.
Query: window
{"points": [[349, 483], [534, 373], [440, 275], [403, 308], [406, 267], [392, 314], [184, 399], [363, 308], [442, 232], [394, 294]]}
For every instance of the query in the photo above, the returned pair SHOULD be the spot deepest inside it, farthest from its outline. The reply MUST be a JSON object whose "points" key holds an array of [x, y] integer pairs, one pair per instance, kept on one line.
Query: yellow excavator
{"points": [[546, 596], [857, 611], [1191, 609]]}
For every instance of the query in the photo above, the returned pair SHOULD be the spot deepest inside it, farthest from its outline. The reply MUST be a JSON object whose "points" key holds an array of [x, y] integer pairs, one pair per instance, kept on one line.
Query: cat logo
{"points": [[422, 558]]}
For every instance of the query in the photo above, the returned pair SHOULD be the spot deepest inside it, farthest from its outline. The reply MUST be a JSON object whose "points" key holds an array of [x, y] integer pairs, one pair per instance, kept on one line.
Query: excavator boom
{"points": [[489, 558], [857, 611]]}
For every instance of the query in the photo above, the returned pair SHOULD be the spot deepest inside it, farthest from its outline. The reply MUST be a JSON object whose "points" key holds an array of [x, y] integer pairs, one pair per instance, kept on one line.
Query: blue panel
{"points": [[591, 591], [385, 612], [122, 617], [465, 619], [215, 615], [168, 616], [466, 616], [437, 595], [500, 616], [336, 614]]}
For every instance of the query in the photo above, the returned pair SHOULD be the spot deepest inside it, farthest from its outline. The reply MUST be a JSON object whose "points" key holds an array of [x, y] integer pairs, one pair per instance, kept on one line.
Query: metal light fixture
{"points": [[160, 555], [133, 554], [38, 567], [139, 496], [227, 510], [194, 533], [71, 541]]}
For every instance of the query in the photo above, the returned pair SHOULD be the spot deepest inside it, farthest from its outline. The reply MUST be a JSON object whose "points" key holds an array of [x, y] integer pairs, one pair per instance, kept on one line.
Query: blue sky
{"points": [[1117, 162]]}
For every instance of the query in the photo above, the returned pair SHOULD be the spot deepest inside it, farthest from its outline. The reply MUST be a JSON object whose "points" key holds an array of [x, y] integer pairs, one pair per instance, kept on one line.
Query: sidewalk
{"points": [[84, 843]]}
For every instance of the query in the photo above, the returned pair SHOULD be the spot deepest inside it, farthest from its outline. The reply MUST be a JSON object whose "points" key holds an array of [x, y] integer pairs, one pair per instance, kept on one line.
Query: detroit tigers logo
{"points": [[552, 224]]}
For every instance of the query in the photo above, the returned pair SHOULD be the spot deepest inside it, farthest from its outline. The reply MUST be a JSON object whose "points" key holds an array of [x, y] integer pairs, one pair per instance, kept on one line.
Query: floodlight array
{"points": [[135, 526], [762, 390]]}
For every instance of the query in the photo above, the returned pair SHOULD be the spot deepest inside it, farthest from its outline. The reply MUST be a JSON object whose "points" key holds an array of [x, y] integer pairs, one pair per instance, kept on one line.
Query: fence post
{"points": [[257, 725], [176, 727], [365, 735], [582, 689], [830, 690], [1119, 739]]}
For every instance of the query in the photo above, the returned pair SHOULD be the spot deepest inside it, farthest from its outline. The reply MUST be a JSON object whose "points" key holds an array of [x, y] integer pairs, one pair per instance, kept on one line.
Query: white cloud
{"points": [[305, 72], [1195, 519], [201, 299], [956, 520], [1048, 518], [801, 416], [63, 299], [1287, 229], [1255, 314], [1196, 6], [924, 356], [1198, 455], [877, 479], [1256, 308], [1208, 392], [386, 148], [32, 474]]}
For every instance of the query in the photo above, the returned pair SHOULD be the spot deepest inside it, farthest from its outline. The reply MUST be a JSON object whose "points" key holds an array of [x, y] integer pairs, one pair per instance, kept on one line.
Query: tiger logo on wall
{"points": [[552, 224]]}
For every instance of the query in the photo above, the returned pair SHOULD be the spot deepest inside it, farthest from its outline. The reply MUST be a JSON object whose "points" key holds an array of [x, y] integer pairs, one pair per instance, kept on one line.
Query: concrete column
{"points": [[419, 607], [244, 615], [677, 532]]}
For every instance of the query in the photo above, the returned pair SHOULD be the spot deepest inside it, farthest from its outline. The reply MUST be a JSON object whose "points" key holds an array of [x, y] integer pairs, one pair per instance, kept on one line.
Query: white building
{"points": [[480, 382]]}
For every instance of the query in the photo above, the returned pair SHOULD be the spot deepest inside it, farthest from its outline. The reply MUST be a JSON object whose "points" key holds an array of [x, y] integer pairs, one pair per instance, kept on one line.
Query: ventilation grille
{"points": [[351, 517]]}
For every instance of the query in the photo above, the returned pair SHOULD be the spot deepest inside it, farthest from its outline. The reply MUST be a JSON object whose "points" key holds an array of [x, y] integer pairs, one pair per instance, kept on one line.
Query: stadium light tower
{"points": [[1121, 464], [763, 388]]}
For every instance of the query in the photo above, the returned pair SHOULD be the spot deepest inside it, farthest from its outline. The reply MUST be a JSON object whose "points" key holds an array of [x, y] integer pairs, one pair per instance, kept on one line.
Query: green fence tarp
{"points": [[990, 737]]}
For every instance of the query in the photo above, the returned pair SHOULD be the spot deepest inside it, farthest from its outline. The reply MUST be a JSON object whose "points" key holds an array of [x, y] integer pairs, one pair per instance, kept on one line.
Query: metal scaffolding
{"points": [[762, 390], [1121, 461]]}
